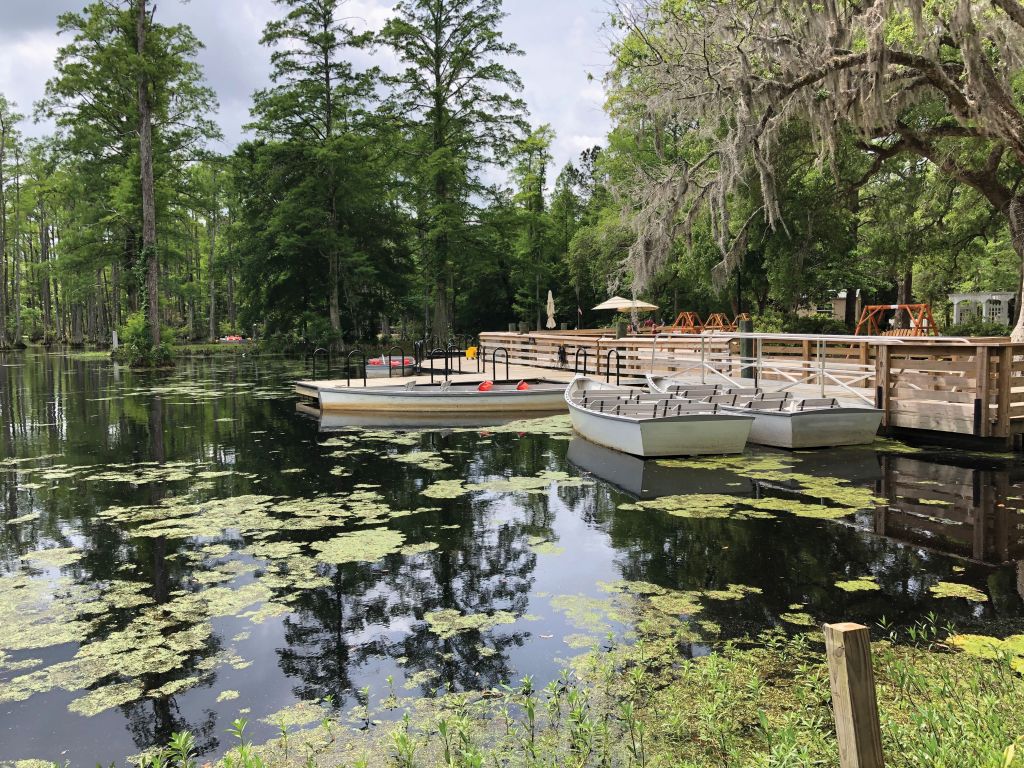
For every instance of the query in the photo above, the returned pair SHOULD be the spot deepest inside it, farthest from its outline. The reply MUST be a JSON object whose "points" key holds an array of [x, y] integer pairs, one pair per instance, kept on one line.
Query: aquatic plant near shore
{"points": [[630, 705]]}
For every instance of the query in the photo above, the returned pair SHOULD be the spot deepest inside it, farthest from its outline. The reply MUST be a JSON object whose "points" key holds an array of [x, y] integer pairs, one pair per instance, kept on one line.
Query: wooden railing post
{"points": [[848, 649], [1003, 395]]}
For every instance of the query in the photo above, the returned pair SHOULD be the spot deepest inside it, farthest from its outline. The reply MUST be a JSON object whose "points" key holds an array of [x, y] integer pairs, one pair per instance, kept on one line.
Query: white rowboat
{"points": [[540, 396], [781, 421], [648, 425]]}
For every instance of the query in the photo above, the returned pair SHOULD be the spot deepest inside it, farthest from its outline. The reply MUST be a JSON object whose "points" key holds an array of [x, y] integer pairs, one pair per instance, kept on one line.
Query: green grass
{"points": [[760, 705]]}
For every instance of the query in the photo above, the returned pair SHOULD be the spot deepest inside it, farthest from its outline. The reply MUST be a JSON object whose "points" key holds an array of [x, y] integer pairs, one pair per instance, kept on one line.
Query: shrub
{"points": [[978, 327], [137, 348], [822, 324]]}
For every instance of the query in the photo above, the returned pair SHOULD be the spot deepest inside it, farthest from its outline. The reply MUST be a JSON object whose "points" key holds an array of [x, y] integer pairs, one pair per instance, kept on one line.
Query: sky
{"points": [[564, 42]]}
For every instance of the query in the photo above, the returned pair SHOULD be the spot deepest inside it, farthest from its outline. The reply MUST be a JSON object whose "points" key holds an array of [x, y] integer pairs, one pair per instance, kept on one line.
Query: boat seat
{"points": [[744, 391], [766, 405], [721, 399], [773, 396], [818, 402], [691, 390]]}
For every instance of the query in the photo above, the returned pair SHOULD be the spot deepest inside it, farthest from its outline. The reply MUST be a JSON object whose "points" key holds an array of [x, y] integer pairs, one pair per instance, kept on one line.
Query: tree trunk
{"points": [[213, 282], [3, 241], [1016, 219], [148, 187], [905, 295]]}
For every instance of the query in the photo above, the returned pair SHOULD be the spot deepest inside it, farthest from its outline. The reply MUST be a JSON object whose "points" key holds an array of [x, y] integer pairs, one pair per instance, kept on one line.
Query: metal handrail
{"points": [[494, 363], [317, 351], [608, 367], [387, 358], [453, 353], [433, 357], [576, 361], [348, 366]]}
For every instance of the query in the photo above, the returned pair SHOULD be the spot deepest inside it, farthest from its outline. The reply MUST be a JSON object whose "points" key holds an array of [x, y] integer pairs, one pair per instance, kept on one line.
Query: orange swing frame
{"points": [[921, 321]]}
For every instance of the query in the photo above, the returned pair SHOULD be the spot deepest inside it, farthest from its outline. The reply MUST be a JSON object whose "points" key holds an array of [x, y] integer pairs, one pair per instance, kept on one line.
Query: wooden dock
{"points": [[965, 391]]}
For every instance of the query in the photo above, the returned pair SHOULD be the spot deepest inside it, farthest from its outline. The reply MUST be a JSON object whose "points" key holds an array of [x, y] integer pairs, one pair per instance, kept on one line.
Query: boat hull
{"points": [[467, 400], [825, 428], [692, 434], [697, 435]]}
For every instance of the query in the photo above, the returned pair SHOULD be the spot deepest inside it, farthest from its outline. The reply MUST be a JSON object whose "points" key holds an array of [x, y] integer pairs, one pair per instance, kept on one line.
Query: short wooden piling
{"points": [[848, 648]]}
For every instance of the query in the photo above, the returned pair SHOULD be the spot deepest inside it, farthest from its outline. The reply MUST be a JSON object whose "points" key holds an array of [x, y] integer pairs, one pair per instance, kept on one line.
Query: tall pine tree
{"points": [[456, 100]]}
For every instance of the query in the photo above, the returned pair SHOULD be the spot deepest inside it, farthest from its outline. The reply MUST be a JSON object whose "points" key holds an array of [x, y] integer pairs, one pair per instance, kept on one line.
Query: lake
{"points": [[181, 549]]}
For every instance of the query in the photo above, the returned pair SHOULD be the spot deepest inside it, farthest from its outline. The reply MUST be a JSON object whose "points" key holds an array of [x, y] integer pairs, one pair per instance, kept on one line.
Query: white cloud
{"points": [[563, 41]]}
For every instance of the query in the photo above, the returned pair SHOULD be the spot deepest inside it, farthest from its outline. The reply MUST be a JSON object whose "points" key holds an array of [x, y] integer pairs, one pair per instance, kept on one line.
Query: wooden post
{"points": [[882, 364], [848, 649], [1003, 395], [982, 380]]}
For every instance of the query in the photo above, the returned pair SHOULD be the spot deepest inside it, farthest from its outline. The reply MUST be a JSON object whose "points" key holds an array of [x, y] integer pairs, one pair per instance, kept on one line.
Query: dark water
{"points": [[180, 610]]}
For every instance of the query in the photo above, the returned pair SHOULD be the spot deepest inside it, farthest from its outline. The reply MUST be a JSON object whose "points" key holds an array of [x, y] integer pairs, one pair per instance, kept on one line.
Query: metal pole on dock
{"points": [[848, 649]]}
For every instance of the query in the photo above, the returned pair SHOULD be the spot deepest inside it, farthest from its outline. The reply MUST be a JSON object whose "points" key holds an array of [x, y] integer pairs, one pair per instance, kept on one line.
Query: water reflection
{"points": [[82, 438], [976, 514]]}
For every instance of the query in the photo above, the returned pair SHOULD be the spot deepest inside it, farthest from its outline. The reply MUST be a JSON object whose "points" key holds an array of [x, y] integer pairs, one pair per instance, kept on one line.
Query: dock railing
{"points": [[966, 386]]}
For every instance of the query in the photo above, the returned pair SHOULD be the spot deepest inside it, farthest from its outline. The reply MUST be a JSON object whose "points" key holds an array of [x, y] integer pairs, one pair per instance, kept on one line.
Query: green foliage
{"points": [[764, 705], [137, 348], [978, 327]]}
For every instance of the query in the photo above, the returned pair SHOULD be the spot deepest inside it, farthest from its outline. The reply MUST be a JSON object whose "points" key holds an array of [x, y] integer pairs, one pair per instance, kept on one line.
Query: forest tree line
{"points": [[364, 203]]}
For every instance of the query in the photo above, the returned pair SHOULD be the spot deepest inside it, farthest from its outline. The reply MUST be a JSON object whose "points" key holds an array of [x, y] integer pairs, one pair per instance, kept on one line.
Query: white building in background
{"points": [[991, 307]]}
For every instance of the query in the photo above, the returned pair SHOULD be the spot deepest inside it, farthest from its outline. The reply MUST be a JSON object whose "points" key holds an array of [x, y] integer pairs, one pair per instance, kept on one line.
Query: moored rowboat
{"points": [[651, 425], [782, 421], [537, 395]]}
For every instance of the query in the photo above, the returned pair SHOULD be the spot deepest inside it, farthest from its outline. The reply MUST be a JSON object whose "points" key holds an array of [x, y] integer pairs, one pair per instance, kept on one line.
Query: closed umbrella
{"points": [[551, 310]]}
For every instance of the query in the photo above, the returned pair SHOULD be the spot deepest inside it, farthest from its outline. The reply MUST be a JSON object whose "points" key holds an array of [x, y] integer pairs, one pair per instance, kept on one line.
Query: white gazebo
{"points": [[990, 307]]}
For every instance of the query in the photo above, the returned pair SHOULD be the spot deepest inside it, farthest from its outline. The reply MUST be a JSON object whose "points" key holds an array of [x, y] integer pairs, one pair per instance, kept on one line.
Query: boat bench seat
{"points": [[744, 391], [690, 390], [653, 410], [766, 405], [721, 399], [818, 402]]}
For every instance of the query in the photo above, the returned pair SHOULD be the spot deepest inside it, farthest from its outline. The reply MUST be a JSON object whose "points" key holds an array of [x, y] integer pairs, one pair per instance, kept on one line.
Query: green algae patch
{"points": [[590, 614], [539, 483], [732, 592], [30, 517], [700, 506], [552, 426], [860, 584], [296, 715], [887, 445], [741, 465], [445, 489], [798, 619], [59, 557], [992, 648], [424, 460], [419, 549], [541, 545], [360, 546], [950, 589], [107, 697], [447, 623], [227, 696]]}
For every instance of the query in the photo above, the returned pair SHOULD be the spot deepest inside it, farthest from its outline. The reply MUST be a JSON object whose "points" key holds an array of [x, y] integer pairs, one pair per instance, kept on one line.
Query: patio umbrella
{"points": [[551, 310], [619, 304]]}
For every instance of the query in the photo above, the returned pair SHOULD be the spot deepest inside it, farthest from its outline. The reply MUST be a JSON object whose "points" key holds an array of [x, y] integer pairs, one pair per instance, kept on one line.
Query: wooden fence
{"points": [[975, 389], [960, 386]]}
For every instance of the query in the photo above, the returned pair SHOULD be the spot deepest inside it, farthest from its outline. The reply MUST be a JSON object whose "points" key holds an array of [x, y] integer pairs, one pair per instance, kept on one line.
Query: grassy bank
{"points": [[762, 704]]}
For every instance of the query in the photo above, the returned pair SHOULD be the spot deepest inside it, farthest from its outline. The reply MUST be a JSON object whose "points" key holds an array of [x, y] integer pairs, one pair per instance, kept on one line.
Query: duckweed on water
{"points": [[543, 546], [860, 584], [447, 623], [952, 589], [423, 459], [360, 546]]}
